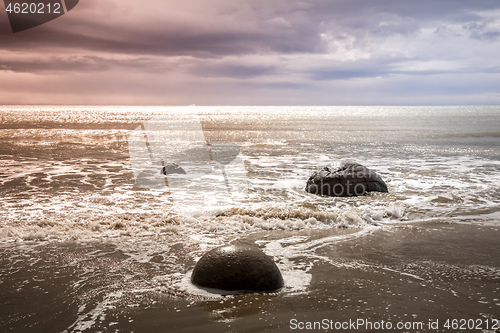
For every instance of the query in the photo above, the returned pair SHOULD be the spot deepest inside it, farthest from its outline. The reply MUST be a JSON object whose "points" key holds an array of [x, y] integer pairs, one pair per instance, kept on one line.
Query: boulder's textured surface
{"points": [[237, 267], [346, 180]]}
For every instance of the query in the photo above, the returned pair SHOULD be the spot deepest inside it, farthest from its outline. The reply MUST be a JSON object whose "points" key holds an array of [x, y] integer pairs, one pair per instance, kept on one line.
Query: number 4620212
{"points": [[34, 8]]}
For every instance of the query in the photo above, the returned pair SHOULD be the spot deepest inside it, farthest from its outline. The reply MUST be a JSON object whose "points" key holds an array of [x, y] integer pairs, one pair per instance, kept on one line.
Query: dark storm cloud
{"points": [[234, 71], [384, 18], [57, 64], [448, 10], [239, 46], [275, 27], [203, 44], [384, 69], [54, 64], [343, 74], [482, 31], [227, 34]]}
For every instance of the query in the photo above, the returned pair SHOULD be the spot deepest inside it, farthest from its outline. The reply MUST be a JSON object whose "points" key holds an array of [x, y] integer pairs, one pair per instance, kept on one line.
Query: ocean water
{"points": [[84, 247]]}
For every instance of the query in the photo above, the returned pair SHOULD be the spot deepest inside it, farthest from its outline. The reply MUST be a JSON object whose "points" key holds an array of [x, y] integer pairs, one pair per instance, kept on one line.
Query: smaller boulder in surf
{"points": [[172, 168], [347, 180], [153, 177], [237, 267]]}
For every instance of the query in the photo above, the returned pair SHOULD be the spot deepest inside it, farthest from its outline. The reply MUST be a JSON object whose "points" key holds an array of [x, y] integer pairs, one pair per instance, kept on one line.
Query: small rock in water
{"points": [[172, 168], [347, 180], [237, 267], [154, 175]]}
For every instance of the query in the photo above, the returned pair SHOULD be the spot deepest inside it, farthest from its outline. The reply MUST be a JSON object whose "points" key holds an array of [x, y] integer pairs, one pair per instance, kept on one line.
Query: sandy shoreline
{"points": [[417, 272]]}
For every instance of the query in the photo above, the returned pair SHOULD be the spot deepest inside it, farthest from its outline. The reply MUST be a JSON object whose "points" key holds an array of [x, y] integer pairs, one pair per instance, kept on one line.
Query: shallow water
{"points": [[84, 248]]}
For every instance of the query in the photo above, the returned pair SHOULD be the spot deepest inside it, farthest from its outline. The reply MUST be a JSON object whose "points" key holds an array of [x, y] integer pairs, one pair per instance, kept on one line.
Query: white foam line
{"points": [[319, 243], [96, 313], [403, 273], [358, 265]]}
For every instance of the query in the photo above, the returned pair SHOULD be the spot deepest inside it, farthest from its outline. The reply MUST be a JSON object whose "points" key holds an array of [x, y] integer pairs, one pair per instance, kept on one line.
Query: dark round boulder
{"points": [[237, 267], [347, 180]]}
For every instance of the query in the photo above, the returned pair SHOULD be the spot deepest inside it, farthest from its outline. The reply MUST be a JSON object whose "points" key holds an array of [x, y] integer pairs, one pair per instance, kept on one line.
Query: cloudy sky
{"points": [[257, 52]]}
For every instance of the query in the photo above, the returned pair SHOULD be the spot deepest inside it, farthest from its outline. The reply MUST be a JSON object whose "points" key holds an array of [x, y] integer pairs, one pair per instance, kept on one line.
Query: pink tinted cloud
{"points": [[255, 52]]}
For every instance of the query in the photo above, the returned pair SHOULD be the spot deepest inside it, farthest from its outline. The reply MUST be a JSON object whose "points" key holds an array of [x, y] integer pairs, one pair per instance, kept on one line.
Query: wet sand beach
{"points": [[415, 273], [84, 248]]}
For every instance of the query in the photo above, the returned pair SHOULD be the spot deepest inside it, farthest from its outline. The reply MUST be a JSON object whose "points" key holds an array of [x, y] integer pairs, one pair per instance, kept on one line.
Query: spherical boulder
{"points": [[347, 180], [237, 267]]}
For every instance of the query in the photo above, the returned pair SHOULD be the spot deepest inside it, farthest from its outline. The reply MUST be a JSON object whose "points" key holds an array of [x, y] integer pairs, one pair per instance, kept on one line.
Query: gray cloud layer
{"points": [[258, 52]]}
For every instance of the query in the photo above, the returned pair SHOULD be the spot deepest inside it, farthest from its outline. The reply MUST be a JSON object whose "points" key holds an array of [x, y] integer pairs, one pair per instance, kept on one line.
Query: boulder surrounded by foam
{"points": [[346, 180], [241, 267]]}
